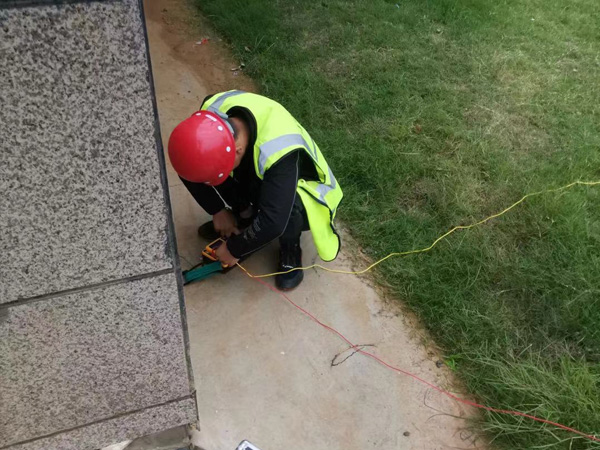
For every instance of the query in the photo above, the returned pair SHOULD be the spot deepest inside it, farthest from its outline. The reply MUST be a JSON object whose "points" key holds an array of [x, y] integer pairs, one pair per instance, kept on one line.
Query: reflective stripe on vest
{"points": [[323, 189], [218, 102], [271, 147]]}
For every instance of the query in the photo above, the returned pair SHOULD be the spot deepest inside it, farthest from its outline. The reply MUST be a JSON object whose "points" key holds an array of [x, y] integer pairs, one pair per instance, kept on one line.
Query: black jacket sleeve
{"points": [[276, 199], [206, 196]]}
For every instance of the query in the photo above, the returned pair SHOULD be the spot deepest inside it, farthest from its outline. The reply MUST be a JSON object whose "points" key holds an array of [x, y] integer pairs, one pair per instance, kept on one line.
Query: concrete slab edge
{"points": [[172, 240], [28, 3], [88, 287], [117, 429]]}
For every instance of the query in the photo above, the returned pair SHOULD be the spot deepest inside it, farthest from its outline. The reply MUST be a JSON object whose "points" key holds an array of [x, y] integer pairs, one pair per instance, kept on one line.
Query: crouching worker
{"points": [[251, 165]]}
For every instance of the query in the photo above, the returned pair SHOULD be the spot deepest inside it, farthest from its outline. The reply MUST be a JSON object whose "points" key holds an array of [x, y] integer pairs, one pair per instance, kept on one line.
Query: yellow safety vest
{"points": [[278, 134]]}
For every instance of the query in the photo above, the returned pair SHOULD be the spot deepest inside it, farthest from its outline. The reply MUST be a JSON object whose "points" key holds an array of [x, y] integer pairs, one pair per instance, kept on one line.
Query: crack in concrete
{"points": [[356, 348]]}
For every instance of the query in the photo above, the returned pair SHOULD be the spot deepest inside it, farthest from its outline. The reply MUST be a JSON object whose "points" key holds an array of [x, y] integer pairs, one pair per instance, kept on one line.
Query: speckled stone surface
{"points": [[76, 359], [119, 429], [82, 201]]}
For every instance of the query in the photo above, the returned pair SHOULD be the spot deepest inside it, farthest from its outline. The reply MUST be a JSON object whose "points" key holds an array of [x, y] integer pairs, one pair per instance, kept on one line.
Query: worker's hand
{"points": [[224, 223], [225, 257]]}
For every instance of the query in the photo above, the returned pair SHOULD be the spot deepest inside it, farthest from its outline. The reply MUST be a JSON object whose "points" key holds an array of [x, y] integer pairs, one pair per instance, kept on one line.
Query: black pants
{"points": [[296, 225]]}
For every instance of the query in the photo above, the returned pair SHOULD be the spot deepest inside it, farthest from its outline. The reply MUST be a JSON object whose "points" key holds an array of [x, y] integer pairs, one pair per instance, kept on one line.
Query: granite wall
{"points": [[93, 347]]}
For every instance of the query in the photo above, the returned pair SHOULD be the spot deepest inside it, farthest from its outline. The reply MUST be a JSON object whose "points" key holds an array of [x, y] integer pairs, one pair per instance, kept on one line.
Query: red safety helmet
{"points": [[202, 148]]}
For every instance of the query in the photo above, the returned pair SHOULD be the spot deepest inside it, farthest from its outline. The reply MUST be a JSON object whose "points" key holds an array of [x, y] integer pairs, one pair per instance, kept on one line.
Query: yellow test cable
{"points": [[434, 243]]}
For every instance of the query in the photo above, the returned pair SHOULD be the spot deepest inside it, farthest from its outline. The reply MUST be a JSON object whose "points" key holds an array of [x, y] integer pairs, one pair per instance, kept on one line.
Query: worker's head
{"points": [[203, 148]]}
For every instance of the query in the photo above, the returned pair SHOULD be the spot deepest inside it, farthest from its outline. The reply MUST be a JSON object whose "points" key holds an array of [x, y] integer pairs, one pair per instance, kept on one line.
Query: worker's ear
{"points": [[239, 154]]}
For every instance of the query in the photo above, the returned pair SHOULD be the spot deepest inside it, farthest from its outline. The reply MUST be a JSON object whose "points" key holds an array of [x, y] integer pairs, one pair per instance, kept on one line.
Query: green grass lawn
{"points": [[438, 113]]}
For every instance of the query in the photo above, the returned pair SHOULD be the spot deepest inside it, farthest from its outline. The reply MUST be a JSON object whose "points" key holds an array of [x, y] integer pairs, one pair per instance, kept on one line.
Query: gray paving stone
{"points": [[82, 201], [84, 357], [171, 439], [95, 436]]}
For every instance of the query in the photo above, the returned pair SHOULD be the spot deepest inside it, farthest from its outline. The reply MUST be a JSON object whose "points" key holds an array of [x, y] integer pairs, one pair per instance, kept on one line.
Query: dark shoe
{"points": [[290, 257], [207, 231]]}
